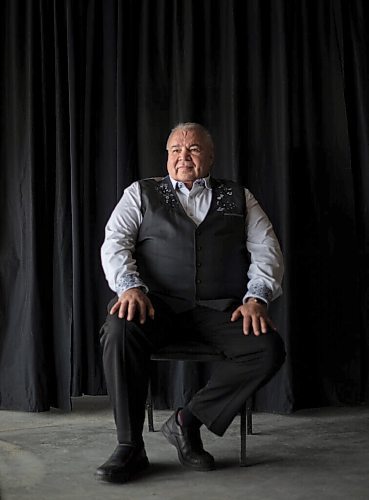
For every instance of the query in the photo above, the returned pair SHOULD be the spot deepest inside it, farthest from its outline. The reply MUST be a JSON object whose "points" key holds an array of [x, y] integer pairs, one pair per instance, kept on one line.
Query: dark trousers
{"points": [[250, 362]]}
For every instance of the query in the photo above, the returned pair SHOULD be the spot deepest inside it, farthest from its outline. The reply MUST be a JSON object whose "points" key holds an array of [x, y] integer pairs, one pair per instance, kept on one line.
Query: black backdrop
{"points": [[89, 91]]}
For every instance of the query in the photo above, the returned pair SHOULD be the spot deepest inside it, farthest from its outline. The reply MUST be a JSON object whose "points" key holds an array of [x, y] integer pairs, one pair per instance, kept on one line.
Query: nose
{"points": [[185, 154]]}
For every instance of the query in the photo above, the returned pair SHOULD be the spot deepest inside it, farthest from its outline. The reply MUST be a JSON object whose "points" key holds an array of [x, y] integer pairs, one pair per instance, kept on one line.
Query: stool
{"points": [[199, 352]]}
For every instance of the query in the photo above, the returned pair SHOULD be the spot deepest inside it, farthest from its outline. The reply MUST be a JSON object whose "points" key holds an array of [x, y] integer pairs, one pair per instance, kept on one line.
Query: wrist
{"points": [[255, 300]]}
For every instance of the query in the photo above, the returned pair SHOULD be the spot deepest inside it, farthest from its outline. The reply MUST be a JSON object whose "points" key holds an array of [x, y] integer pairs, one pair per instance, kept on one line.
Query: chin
{"points": [[186, 177]]}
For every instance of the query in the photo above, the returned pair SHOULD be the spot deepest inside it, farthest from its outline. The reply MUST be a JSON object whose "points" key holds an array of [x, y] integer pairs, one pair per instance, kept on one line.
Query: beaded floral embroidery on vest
{"points": [[167, 196]]}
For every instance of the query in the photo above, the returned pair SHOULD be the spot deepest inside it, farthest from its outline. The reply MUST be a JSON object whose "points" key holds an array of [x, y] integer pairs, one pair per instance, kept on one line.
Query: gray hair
{"points": [[192, 126]]}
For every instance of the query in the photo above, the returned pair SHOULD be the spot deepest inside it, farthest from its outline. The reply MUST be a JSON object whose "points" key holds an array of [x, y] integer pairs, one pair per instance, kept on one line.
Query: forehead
{"points": [[187, 137]]}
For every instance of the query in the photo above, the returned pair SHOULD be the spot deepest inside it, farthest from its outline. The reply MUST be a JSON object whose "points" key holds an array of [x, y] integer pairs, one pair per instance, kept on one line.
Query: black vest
{"points": [[187, 265]]}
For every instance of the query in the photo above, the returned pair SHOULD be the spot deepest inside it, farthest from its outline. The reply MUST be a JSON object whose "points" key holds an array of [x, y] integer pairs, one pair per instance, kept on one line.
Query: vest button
{"points": [[199, 248], [198, 264], [198, 281]]}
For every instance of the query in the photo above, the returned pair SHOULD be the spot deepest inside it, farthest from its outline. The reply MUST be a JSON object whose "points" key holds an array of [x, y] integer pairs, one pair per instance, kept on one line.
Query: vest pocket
{"points": [[232, 215]]}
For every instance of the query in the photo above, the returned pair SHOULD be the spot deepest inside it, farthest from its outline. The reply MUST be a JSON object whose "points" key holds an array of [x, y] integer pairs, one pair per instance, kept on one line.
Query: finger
{"points": [[151, 310], [235, 315], [122, 309], [115, 307], [131, 310], [256, 325], [264, 325], [142, 310], [246, 325]]}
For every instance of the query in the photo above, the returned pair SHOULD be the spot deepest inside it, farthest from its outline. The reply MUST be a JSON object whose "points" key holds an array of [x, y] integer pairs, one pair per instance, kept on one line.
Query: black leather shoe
{"points": [[124, 463], [189, 446]]}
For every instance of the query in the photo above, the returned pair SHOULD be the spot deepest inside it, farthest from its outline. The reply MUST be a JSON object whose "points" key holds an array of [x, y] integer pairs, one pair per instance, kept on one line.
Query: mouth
{"points": [[186, 167]]}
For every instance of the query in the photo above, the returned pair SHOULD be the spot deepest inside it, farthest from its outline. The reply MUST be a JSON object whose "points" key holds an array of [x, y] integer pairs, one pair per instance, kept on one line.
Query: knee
{"points": [[113, 331], [120, 335]]}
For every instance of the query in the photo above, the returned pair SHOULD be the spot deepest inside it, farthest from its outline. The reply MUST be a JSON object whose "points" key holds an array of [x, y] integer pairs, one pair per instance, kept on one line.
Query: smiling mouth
{"points": [[184, 166]]}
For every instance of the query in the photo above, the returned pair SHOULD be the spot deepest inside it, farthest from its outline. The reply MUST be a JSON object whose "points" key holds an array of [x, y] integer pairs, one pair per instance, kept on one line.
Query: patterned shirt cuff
{"points": [[259, 291], [130, 281]]}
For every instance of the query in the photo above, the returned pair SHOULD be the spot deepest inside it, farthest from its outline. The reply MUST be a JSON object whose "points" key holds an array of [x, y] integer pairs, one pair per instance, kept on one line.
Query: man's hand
{"points": [[131, 302], [255, 315]]}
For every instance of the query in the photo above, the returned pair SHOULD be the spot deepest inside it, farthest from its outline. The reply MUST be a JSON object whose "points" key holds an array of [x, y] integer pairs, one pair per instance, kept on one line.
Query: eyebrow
{"points": [[190, 146]]}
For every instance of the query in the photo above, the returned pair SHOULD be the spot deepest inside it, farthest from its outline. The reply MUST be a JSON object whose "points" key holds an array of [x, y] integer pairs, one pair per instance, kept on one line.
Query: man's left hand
{"points": [[255, 315]]}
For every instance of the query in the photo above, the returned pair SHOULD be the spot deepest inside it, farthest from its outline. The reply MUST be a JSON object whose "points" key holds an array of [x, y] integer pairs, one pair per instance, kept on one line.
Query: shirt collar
{"points": [[204, 181]]}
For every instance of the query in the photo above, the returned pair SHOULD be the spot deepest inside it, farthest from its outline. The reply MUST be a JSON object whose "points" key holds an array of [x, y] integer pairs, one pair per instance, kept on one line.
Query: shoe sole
{"points": [[173, 440], [124, 477]]}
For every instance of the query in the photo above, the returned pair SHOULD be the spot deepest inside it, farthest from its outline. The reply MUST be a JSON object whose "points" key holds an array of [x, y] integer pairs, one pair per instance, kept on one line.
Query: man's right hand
{"points": [[131, 302]]}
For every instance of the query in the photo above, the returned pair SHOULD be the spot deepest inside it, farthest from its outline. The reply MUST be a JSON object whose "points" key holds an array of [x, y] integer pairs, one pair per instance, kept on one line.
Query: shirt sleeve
{"points": [[266, 268], [120, 238]]}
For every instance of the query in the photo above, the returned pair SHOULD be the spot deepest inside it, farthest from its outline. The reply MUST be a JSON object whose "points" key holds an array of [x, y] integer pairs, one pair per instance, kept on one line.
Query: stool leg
{"points": [[243, 436], [149, 408], [249, 415]]}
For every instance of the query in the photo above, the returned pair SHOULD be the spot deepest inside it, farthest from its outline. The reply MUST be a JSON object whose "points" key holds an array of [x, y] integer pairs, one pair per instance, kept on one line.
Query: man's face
{"points": [[190, 156]]}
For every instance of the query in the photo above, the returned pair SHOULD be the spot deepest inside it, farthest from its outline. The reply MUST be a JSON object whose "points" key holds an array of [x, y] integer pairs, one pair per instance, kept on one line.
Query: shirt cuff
{"points": [[259, 291], [130, 281]]}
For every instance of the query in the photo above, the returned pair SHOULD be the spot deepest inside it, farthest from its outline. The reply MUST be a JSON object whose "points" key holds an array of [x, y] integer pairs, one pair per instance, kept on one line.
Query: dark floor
{"points": [[312, 454]]}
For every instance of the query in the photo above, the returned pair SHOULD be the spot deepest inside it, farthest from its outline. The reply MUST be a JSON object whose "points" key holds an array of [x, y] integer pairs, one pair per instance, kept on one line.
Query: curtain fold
{"points": [[89, 91]]}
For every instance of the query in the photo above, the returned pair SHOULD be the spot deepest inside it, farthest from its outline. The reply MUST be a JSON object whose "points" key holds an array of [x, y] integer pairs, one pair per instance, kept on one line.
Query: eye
{"points": [[195, 149]]}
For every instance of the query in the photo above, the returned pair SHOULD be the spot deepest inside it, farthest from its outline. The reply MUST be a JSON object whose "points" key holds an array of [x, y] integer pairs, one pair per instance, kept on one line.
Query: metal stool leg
{"points": [[249, 415], [149, 408], [243, 435]]}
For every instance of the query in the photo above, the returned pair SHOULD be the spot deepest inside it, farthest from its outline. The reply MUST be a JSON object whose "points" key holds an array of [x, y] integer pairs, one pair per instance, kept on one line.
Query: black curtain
{"points": [[88, 93]]}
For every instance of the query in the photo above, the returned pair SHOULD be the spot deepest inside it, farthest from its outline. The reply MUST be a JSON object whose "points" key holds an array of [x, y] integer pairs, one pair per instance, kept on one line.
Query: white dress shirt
{"points": [[266, 268]]}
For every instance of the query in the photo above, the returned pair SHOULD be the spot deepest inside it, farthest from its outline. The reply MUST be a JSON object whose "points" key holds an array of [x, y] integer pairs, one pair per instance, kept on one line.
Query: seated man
{"points": [[189, 256]]}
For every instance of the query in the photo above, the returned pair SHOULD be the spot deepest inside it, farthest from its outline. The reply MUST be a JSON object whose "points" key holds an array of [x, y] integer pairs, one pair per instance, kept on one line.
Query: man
{"points": [[188, 256]]}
